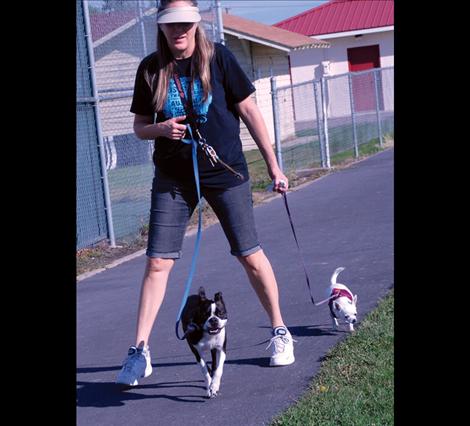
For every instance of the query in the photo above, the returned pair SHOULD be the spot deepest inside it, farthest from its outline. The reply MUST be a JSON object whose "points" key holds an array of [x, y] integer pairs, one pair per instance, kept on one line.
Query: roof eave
{"points": [[354, 32], [312, 46], [271, 43]]}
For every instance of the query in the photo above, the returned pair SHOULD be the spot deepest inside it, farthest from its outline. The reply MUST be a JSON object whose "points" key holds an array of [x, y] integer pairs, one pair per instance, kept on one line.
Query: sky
{"points": [[265, 11]]}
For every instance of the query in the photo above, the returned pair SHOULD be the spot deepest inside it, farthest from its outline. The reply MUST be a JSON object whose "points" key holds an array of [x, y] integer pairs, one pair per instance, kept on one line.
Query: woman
{"points": [[190, 80]]}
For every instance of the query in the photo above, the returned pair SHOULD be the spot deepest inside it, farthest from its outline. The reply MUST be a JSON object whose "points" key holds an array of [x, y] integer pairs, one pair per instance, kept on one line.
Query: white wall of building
{"points": [[260, 62], [307, 64], [272, 62]]}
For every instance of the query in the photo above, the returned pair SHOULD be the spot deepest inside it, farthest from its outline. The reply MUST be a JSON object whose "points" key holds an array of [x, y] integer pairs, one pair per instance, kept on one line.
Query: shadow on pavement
{"points": [[312, 330], [261, 362], [107, 394]]}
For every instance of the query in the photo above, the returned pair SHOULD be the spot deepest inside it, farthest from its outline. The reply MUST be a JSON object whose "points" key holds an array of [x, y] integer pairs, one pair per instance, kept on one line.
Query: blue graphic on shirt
{"points": [[174, 107]]}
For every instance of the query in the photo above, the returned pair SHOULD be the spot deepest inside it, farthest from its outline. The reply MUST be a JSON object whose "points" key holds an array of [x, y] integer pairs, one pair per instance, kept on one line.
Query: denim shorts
{"points": [[174, 202]]}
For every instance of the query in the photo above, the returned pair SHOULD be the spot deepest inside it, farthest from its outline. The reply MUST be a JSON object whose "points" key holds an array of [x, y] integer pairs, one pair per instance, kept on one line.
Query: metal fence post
{"points": [[104, 175], [377, 104], [277, 138], [317, 112], [142, 27], [353, 116], [220, 23], [325, 122]]}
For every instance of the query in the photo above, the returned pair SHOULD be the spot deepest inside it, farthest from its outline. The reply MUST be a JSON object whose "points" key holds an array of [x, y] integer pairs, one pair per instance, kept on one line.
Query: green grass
{"points": [[257, 170], [361, 128], [355, 383], [365, 149], [305, 156], [130, 183], [306, 132]]}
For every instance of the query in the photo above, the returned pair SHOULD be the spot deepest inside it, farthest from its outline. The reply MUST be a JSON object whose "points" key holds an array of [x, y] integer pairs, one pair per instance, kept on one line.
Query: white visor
{"points": [[178, 14]]}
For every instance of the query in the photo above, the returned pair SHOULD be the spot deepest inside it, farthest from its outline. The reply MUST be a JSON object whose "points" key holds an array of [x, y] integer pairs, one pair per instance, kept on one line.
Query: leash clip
{"points": [[207, 149], [210, 152]]}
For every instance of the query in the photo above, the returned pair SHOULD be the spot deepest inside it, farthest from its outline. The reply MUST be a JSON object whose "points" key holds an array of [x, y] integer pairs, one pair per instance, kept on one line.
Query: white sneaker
{"points": [[136, 365], [283, 347]]}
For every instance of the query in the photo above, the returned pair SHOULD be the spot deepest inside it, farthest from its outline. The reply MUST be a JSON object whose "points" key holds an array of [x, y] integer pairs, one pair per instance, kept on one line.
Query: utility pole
{"points": [[220, 24]]}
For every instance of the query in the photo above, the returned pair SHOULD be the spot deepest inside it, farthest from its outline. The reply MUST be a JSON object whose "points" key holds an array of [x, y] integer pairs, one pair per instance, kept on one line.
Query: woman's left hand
{"points": [[280, 181]]}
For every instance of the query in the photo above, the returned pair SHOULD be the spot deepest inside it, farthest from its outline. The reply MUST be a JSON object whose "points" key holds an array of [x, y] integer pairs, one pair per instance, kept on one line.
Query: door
{"points": [[363, 85]]}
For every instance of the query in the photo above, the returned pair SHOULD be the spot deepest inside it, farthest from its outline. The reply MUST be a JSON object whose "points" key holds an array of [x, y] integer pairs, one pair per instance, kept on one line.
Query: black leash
{"points": [[284, 196]]}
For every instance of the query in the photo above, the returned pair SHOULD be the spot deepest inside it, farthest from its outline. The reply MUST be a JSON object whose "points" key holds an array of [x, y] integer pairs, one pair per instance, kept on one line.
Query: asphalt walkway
{"points": [[343, 219]]}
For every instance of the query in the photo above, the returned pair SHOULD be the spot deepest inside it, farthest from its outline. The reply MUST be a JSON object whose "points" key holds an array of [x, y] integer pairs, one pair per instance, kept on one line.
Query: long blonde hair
{"points": [[200, 63]]}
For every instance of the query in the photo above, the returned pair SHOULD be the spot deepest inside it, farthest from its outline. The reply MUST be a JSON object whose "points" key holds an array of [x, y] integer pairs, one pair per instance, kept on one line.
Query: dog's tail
{"points": [[335, 275]]}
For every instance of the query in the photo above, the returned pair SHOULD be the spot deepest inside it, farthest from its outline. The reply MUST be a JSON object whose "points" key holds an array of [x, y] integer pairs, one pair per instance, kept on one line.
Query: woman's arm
{"points": [[251, 116], [171, 129]]}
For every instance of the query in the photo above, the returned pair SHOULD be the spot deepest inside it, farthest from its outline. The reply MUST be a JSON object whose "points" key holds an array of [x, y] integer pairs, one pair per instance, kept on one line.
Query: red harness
{"points": [[336, 294]]}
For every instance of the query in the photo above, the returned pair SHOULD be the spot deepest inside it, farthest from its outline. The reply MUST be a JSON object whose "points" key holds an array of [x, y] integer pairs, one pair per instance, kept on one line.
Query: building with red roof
{"points": [[341, 16], [360, 33]]}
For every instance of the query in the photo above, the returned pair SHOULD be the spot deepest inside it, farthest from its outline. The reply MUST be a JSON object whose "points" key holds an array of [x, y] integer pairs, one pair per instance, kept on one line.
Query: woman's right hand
{"points": [[171, 128]]}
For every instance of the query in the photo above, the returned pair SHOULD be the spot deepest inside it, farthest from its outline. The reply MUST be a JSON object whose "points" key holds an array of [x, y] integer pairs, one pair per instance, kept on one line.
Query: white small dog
{"points": [[342, 303]]}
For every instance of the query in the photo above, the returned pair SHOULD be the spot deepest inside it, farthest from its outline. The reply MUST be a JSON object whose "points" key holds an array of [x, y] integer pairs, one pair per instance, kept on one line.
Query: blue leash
{"points": [[213, 158], [198, 236]]}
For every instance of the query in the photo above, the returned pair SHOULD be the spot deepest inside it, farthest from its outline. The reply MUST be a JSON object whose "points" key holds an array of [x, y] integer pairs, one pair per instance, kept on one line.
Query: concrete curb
{"points": [[111, 265]]}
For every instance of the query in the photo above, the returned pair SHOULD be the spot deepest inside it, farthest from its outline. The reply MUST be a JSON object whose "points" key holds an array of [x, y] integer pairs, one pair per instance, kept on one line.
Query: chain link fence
{"points": [[324, 121], [91, 220], [316, 123], [298, 130], [120, 37]]}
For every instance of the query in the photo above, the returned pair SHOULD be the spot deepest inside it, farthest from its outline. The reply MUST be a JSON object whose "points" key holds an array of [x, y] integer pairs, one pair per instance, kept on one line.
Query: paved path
{"points": [[343, 219]]}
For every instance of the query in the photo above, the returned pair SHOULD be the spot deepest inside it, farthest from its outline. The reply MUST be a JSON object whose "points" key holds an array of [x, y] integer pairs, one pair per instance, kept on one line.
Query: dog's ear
{"points": [[218, 297], [202, 294], [336, 306], [355, 299]]}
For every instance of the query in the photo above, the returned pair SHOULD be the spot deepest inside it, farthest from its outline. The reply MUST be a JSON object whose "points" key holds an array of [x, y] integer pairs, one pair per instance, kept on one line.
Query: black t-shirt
{"points": [[219, 122]]}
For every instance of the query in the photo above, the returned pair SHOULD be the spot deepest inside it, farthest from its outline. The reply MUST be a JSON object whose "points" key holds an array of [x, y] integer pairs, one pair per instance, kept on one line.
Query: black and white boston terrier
{"points": [[203, 322]]}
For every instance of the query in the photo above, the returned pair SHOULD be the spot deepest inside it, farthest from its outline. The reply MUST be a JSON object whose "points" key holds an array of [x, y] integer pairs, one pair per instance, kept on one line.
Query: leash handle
{"points": [[176, 331], [284, 196]]}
